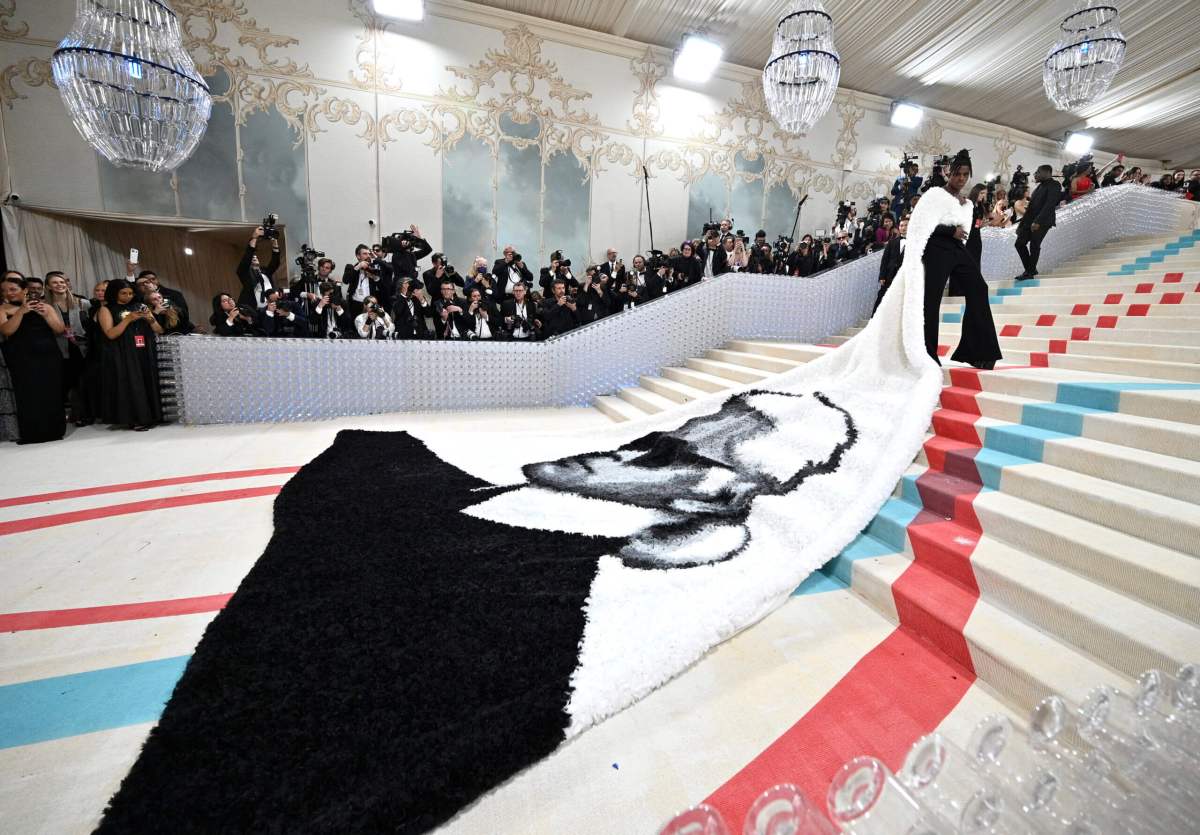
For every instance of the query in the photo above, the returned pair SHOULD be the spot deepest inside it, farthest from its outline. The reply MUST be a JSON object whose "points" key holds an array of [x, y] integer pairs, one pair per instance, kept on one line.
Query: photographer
{"points": [[30, 328], [1037, 220], [280, 319], [410, 310], [762, 257], [169, 318], [613, 268], [520, 315], [510, 271], [481, 278], [367, 276], [305, 292], [804, 261], [906, 185], [433, 277], [481, 319], [687, 267], [1113, 177], [714, 259], [331, 319], [637, 288], [374, 322], [410, 247], [229, 318], [559, 270], [558, 312], [446, 312], [256, 281], [593, 301]]}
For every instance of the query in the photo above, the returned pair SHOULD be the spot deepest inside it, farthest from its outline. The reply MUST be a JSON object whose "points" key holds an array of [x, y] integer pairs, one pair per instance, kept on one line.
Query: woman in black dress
{"points": [[30, 328], [945, 258], [978, 201], [129, 364]]}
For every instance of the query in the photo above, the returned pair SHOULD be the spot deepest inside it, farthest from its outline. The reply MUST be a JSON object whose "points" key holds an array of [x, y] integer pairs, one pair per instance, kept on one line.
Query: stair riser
{"points": [[671, 392], [695, 381], [737, 375], [609, 410], [1002, 318], [638, 402], [1128, 334], [786, 352], [759, 362], [1086, 347]]}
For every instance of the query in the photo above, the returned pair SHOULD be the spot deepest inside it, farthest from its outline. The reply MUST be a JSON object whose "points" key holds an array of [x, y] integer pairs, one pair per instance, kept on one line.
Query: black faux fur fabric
{"points": [[378, 669]]}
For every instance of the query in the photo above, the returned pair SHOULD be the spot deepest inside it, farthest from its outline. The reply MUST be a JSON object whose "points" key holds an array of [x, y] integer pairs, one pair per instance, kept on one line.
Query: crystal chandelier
{"points": [[130, 86], [1088, 54], [802, 73]]}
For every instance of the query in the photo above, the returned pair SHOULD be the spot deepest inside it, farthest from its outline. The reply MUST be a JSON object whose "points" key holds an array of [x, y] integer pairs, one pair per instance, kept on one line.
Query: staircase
{"points": [[1047, 538]]}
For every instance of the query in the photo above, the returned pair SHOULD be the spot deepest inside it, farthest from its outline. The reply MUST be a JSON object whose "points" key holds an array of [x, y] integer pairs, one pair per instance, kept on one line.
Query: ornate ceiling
{"points": [[980, 59]]}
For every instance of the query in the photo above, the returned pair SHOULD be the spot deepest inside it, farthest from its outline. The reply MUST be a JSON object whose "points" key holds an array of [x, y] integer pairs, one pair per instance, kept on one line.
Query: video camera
{"points": [[909, 159], [398, 241], [783, 246], [307, 262], [1080, 166], [270, 227], [843, 211], [938, 177], [657, 260]]}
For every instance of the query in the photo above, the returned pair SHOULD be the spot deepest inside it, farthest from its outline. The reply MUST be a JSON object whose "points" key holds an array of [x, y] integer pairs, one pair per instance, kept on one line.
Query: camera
{"points": [[908, 160], [283, 306], [270, 227], [397, 241], [333, 290], [517, 257], [656, 261], [1020, 181], [375, 308], [843, 211], [938, 177], [450, 272], [307, 261], [783, 245]]}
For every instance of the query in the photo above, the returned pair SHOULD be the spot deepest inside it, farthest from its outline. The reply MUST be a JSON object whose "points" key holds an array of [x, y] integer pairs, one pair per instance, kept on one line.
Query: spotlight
{"points": [[187, 250], [991, 177], [1077, 143], [697, 59], [906, 115], [402, 9]]}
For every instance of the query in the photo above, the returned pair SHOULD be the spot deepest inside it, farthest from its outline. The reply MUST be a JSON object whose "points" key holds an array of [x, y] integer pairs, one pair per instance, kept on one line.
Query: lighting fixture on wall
{"points": [[1086, 57], [187, 250], [801, 76], [906, 115], [402, 9], [697, 59], [1077, 143], [131, 88]]}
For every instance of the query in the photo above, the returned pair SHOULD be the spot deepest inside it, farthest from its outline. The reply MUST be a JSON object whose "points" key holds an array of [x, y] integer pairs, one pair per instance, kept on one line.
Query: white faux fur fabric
{"points": [[645, 626]]}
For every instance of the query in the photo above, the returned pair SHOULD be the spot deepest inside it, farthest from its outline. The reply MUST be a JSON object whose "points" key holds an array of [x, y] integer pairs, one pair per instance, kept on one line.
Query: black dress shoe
{"points": [[1023, 278]]}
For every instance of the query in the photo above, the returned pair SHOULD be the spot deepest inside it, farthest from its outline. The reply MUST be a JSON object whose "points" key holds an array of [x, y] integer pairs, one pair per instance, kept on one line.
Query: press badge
{"points": [[139, 341]]}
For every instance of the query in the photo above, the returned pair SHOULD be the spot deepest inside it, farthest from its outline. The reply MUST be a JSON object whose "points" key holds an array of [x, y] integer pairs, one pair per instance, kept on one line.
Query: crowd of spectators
{"points": [[94, 359]]}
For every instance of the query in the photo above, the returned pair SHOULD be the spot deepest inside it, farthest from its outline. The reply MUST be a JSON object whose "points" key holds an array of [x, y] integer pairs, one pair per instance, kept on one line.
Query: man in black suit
{"points": [[446, 310], [412, 249], [1037, 220], [410, 310], [714, 259], [367, 276], [433, 277], [558, 311], [613, 267], [255, 280], [510, 271], [639, 286], [890, 263], [520, 316], [592, 303]]}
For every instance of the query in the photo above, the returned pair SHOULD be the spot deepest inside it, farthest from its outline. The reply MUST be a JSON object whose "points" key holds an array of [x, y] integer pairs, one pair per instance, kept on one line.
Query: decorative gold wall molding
{"points": [[375, 69], [1005, 147], [33, 72], [846, 148], [8, 8], [646, 112], [929, 142]]}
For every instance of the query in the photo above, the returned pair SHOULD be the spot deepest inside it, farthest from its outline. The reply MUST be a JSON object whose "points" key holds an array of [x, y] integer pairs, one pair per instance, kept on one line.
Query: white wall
{"points": [[367, 109]]}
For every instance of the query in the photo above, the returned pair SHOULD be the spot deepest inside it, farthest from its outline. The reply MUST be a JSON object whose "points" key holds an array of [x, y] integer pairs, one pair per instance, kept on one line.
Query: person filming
{"points": [[255, 280]]}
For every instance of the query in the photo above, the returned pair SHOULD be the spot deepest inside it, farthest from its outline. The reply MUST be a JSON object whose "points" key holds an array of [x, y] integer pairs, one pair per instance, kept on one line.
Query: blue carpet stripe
{"points": [[98, 700], [1107, 396], [1157, 256]]}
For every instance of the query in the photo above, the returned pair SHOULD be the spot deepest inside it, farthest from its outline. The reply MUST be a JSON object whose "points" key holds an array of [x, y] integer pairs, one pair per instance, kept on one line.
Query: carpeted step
{"points": [[1128, 333], [693, 378], [671, 389], [736, 373], [1184, 372], [795, 351], [1097, 348], [616, 408], [1004, 316], [761, 362], [646, 400]]}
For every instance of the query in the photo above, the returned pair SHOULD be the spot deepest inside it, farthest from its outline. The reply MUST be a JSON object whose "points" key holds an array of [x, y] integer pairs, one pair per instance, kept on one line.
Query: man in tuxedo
{"points": [[446, 311], [639, 286], [890, 263], [558, 312], [509, 271], [410, 310], [557, 271], [330, 319], [366, 276], [1037, 220], [279, 318], [593, 301], [147, 283], [255, 280], [903, 189], [614, 268], [714, 258], [520, 317]]}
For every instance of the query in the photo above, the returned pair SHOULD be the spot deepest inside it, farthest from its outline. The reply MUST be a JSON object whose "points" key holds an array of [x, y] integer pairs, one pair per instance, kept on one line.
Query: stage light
{"points": [[697, 59], [187, 250], [906, 115], [1078, 143], [402, 9]]}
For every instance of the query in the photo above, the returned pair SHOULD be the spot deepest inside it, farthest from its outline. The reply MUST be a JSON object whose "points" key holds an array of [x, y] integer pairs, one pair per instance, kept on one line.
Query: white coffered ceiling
{"points": [[980, 59]]}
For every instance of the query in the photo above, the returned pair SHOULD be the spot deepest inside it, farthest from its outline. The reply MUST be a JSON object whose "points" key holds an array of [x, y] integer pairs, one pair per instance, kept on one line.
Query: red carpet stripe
{"points": [[143, 485], [1173, 278], [53, 520], [54, 618]]}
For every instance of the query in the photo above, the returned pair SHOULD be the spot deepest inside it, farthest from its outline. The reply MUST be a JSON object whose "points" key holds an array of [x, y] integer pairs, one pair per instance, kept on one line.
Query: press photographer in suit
{"points": [[510, 271], [330, 318], [433, 277], [714, 257], [446, 311], [366, 276], [255, 280], [280, 319], [409, 248], [1037, 220], [410, 310], [520, 318], [558, 311], [559, 270], [593, 301], [481, 319], [614, 268]]}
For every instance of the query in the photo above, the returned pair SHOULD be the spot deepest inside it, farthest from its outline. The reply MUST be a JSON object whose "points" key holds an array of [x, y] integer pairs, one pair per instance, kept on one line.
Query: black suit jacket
{"points": [[1042, 204], [592, 303], [380, 286], [322, 323], [410, 325], [467, 322], [527, 311], [404, 262], [688, 270], [893, 258], [557, 318], [250, 279], [177, 301], [500, 273], [608, 269]]}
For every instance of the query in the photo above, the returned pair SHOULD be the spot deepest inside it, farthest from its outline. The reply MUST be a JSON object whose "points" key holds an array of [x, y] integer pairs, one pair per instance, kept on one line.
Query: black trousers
{"points": [[946, 258], [1029, 246]]}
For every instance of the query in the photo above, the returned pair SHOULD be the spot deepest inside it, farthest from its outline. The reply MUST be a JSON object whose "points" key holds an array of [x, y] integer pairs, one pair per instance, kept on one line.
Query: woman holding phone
{"points": [[30, 329], [130, 359]]}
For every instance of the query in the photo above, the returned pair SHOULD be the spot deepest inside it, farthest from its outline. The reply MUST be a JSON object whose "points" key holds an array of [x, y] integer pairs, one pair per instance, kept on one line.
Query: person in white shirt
{"points": [[374, 322], [510, 271]]}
